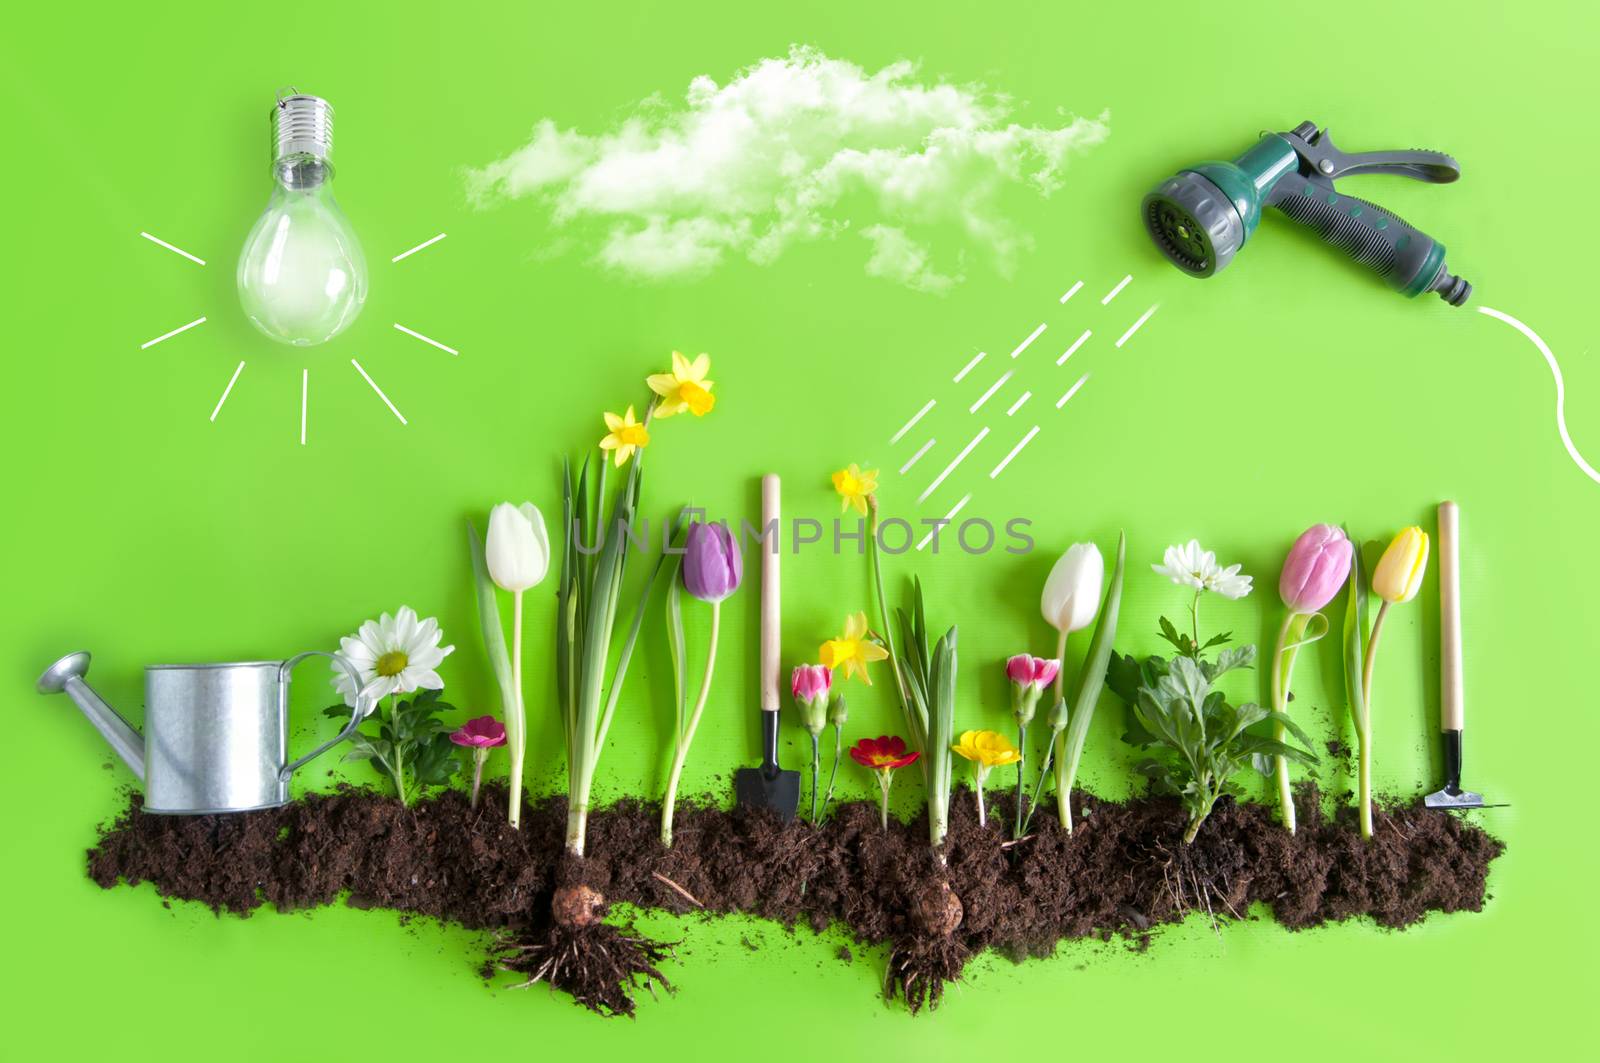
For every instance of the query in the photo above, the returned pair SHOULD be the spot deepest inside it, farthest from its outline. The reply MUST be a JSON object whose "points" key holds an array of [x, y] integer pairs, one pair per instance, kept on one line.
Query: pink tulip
{"points": [[810, 681], [1026, 670], [1317, 566]]}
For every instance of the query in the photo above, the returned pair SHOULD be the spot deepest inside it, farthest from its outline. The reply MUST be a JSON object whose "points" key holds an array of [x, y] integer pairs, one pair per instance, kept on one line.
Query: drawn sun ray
{"points": [[173, 248], [426, 339], [226, 391], [145, 346], [375, 387], [419, 247]]}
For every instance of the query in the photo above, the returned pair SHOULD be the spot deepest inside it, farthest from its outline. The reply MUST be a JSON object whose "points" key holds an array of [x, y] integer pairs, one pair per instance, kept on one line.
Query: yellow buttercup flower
{"points": [[1399, 574], [856, 487], [626, 435], [986, 749], [685, 388], [853, 651]]}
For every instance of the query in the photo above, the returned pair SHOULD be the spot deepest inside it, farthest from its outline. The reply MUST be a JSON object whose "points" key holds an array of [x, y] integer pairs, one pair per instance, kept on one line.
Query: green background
{"points": [[1293, 389]]}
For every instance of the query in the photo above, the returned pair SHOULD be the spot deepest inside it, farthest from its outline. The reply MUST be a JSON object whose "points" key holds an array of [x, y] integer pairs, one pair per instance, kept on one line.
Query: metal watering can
{"points": [[215, 735]]}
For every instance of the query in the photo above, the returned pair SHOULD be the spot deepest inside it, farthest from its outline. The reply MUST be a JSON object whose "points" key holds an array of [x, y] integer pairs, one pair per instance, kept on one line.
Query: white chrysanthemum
{"points": [[394, 655], [1190, 566]]}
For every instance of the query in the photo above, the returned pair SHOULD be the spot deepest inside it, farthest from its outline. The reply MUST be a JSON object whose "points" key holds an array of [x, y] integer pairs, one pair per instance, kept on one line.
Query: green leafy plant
{"points": [[1175, 703], [926, 676], [411, 745]]}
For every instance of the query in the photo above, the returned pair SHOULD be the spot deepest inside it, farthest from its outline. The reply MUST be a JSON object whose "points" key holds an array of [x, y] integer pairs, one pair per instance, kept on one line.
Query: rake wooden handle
{"points": [[771, 604], [1452, 707]]}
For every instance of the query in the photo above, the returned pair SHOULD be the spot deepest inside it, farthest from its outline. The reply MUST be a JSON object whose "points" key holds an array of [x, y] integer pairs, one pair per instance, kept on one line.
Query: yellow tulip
{"points": [[853, 650], [1398, 576]]}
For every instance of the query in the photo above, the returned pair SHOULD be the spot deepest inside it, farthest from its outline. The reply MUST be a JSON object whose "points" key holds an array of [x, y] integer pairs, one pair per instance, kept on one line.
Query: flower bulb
{"points": [[302, 278]]}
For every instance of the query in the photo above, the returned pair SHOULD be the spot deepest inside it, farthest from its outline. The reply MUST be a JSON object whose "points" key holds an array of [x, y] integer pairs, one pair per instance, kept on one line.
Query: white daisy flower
{"points": [[394, 655], [1190, 566]]}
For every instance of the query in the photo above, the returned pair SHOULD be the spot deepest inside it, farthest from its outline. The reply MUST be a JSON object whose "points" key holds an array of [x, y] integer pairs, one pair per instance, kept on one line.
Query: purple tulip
{"points": [[1317, 566], [712, 567]]}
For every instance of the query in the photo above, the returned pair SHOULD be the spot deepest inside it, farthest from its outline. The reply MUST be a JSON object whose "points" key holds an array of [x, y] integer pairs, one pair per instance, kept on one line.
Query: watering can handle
{"points": [[359, 713]]}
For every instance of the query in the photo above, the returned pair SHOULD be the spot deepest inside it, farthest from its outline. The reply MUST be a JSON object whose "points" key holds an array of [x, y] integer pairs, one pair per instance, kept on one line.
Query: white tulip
{"points": [[518, 549], [1072, 593]]}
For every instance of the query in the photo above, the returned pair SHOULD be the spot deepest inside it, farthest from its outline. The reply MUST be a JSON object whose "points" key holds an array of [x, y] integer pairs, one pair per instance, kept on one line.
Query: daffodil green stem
{"points": [[1288, 647], [1364, 731], [687, 738], [518, 730]]}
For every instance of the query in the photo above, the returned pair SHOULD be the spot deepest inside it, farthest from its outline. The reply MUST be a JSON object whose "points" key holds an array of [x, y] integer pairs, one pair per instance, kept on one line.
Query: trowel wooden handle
{"points": [[1451, 695], [771, 601]]}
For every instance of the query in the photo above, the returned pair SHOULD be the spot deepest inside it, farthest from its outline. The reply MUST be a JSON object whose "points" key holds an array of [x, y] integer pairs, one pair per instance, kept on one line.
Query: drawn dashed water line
{"points": [[1024, 441], [173, 248], [1070, 351], [1073, 390], [1015, 406], [948, 517], [1072, 291], [996, 386], [916, 457], [1137, 325], [375, 387], [909, 425], [954, 463], [969, 367], [426, 243], [225, 392], [1035, 334], [1112, 294], [145, 346]]}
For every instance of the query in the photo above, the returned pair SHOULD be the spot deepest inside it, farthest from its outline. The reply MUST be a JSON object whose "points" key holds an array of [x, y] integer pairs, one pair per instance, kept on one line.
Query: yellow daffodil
{"points": [[986, 750], [626, 435], [853, 650], [855, 486], [685, 388]]}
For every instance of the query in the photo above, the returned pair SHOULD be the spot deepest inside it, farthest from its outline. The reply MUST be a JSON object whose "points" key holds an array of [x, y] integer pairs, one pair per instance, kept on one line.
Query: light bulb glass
{"points": [[302, 277]]}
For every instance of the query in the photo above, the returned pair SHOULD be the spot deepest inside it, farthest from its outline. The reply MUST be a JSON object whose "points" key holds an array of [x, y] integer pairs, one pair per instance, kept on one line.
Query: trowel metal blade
{"points": [[1456, 799]]}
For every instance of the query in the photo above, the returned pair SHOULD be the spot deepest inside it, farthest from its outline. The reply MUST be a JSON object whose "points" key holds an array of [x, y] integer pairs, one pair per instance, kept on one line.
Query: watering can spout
{"points": [[66, 676]]}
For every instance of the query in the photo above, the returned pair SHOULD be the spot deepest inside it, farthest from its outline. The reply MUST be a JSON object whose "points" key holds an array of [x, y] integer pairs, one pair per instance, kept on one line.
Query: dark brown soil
{"points": [[1124, 871]]}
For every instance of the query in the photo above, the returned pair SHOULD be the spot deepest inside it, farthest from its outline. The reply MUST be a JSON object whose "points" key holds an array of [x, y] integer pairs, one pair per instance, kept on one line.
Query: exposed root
{"points": [[599, 965], [674, 887], [919, 968]]}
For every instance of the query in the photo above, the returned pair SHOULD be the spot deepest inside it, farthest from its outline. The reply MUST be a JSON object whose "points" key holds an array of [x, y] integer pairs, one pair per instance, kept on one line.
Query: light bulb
{"points": [[302, 277]]}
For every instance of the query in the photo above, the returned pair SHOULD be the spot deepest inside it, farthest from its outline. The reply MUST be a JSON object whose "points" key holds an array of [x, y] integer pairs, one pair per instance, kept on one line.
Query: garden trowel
{"points": [[769, 786], [1451, 701]]}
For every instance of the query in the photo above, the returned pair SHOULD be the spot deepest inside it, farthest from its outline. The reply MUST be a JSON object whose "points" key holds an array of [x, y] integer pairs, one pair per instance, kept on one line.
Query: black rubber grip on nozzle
{"points": [[1373, 236]]}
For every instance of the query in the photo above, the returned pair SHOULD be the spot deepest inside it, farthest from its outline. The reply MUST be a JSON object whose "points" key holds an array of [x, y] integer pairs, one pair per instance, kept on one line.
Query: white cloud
{"points": [[794, 149]]}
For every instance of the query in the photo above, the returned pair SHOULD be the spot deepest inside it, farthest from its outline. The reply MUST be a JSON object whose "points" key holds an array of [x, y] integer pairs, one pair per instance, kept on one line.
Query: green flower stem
{"points": [[1063, 792], [687, 738], [977, 779], [1364, 732], [1194, 622], [397, 767], [816, 772], [1282, 666], [885, 778], [479, 756], [838, 749], [1044, 773], [518, 718], [1022, 745]]}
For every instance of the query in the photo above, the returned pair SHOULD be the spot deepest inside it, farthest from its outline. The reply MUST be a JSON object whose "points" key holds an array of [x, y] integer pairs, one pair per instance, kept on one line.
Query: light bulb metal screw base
{"points": [[302, 140]]}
